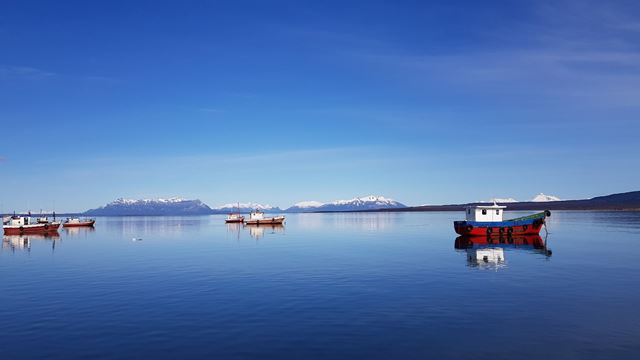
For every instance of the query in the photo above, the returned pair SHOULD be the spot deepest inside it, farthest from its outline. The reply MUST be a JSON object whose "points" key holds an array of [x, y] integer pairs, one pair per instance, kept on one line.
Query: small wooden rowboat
{"points": [[75, 222], [18, 225], [257, 218], [487, 221]]}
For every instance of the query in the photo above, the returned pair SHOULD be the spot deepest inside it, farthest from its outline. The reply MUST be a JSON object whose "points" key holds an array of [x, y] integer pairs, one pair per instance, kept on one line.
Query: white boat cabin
{"points": [[256, 215], [485, 213], [19, 221]]}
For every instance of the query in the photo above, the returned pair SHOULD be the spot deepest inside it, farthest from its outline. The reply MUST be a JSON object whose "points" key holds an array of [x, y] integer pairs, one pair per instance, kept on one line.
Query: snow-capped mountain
{"points": [[538, 198], [544, 198], [171, 206], [308, 204], [503, 200], [370, 202], [244, 208]]}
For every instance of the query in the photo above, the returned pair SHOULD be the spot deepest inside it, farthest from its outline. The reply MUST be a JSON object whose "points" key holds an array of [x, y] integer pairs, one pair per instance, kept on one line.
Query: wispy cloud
{"points": [[569, 52], [25, 72], [32, 73]]}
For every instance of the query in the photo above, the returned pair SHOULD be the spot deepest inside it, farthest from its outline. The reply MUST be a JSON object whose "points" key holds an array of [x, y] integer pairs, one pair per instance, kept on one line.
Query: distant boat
{"points": [[20, 225], [486, 220], [75, 222], [234, 217], [257, 218]]}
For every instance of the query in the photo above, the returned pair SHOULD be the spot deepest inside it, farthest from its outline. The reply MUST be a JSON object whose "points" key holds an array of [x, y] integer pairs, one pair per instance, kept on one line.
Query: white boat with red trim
{"points": [[257, 218]]}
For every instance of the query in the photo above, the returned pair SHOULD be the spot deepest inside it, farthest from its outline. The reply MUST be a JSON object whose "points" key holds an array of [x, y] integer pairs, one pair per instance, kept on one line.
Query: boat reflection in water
{"points": [[258, 232], [23, 242], [75, 231], [490, 251]]}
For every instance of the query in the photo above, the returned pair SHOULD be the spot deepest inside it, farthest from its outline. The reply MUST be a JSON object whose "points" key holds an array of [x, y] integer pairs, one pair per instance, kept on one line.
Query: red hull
{"points": [[235, 221], [31, 229], [80, 224], [530, 229]]}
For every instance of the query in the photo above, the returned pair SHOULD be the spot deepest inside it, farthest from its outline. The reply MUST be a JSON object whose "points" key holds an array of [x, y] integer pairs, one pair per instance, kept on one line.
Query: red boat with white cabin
{"points": [[20, 225], [486, 220], [75, 222]]}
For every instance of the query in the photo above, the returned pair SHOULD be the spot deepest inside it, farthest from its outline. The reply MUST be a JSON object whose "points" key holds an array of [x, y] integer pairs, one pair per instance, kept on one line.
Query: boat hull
{"points": [[234, 221], [267, 221], [80, 224], [529, 225], [31, 229]]}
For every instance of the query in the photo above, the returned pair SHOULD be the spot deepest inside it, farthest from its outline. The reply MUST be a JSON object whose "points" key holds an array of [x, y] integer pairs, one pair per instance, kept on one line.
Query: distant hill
{"points": [[370, 202], [622, 201], [151, 207]]}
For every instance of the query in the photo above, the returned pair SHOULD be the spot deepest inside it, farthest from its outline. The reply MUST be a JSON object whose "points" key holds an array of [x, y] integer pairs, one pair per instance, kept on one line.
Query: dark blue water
{"points": [[374, 286]]}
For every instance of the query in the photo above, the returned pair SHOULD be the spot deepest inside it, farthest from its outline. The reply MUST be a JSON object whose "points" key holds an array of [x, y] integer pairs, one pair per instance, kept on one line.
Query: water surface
{"points": [[374, 285]]}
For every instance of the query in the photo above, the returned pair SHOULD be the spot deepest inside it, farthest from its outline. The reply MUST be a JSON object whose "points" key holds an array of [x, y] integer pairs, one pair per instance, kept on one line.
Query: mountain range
{"points": [[244, 208], [370, 202], [622, 201], [151, 207], [179, 206], [538, 198]]}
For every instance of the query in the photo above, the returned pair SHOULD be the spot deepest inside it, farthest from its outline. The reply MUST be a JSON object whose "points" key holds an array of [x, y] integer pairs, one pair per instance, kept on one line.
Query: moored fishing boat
{"points": [[19, 225], [76, 222], [234, 217], [486, 220], [257, 218]]}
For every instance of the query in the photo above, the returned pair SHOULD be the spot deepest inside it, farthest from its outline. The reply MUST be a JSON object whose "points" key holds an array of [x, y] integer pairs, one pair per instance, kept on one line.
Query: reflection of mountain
{"points": [[23, 242], [140, 226], [374, 221]]}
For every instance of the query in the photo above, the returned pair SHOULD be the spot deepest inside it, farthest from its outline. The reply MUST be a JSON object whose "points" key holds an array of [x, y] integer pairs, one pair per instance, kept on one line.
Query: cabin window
{"points": [[469, 211], [497, 212], [484, 211]]}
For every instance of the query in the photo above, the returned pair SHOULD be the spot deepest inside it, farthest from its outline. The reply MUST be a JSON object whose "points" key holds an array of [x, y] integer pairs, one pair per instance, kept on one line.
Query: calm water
{"points": [[330, 286]]}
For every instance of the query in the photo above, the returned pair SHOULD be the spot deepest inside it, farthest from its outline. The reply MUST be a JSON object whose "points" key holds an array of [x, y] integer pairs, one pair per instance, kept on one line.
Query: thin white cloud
{"points": [[25, 72]]}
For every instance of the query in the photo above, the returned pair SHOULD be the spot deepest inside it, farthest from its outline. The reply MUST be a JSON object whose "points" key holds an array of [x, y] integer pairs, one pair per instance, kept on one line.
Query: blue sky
{"points": [[280, 102]]}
